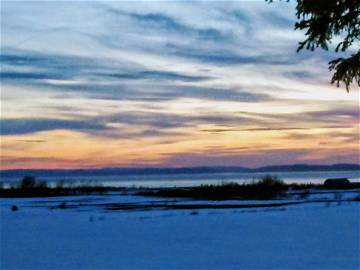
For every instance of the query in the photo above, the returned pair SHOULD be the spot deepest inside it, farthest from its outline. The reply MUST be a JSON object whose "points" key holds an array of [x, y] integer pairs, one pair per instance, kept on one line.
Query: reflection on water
{"points": [[172, 180]]}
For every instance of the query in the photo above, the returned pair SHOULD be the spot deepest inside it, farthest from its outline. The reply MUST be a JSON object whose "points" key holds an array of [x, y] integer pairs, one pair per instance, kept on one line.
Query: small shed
{"points": [[336, 182]]}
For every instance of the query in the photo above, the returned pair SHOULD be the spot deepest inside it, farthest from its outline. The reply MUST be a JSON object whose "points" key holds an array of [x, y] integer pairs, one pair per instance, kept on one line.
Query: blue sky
{"points": [[94, 84]]}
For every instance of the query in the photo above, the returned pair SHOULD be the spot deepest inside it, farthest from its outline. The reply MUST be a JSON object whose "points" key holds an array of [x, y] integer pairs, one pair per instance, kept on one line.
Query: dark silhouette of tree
{"points": [[323, 20], [28, 182]]}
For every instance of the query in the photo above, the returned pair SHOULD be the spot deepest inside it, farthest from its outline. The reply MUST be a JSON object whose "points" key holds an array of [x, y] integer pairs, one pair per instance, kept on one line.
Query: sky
{"points": [[167, 84]]}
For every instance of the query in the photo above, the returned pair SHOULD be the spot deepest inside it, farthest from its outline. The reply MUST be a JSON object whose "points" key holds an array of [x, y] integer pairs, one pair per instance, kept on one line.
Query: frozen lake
{"points": [[171, 180]]}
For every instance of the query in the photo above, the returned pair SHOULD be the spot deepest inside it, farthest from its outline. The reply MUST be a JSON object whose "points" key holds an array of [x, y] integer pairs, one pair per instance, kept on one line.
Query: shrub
{"points": [[41, 185], [272, 181], [27, 182], [269, 187], [60, 184]]}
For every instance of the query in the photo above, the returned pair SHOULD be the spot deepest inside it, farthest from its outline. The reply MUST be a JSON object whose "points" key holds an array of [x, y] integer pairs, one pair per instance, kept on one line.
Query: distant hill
{"points": [[306, 167], [185, 170]]}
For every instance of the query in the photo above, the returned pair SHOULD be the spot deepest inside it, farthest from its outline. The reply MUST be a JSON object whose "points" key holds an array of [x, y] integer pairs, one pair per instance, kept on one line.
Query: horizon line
{"points": [[182, 167]]}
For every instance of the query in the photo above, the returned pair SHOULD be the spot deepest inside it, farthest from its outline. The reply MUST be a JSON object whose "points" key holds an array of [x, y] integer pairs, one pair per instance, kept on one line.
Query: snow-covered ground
{"points": [[316, 235]]}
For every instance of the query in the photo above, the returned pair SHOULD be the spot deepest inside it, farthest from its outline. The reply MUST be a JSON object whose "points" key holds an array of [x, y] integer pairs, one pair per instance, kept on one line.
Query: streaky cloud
{"points": [[99, 79], [156, 75], [226, 57], [27, 126], [162, 22]]}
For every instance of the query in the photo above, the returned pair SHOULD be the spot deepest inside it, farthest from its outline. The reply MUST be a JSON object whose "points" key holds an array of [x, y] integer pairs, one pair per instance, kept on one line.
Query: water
{"points": [[186, 180]]}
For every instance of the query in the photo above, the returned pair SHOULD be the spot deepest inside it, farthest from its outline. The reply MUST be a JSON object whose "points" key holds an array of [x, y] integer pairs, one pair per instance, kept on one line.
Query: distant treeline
{"points": [[185, 170], [265, 188], [29, 187]]}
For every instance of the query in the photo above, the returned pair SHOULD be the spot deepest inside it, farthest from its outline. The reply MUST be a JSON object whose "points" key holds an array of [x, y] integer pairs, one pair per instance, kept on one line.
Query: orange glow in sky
{"points": [[137, 85]]}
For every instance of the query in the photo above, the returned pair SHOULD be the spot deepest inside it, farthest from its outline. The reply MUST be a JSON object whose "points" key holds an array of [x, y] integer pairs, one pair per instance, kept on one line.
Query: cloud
{"points": [[228, 158], [337, 114], [164, 92], [156, 75], [15, 162], [27, 126], [233, 36], [239, 16], [29, 76], [220, 56], [331, 117], [162, 22], [223, 130], [22, 67], [132, 124], [278, 20], [100, 80], [12, 57], [41, 66], [176, 71], [164, 121], [259, 157], [32, 141]]}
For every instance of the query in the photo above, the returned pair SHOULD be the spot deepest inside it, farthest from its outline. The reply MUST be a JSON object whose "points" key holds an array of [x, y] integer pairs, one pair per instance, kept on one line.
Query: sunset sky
{"points": [[104, 84]]}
